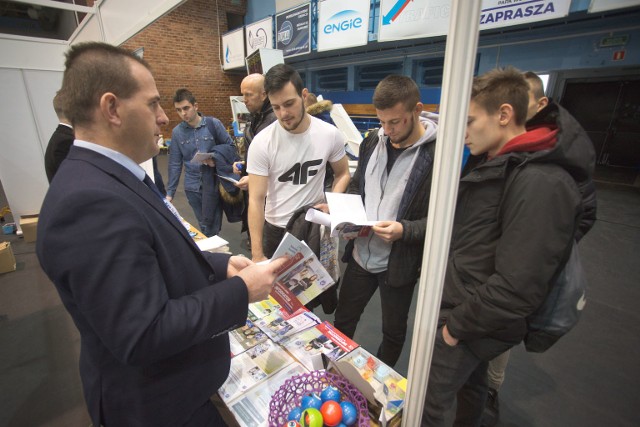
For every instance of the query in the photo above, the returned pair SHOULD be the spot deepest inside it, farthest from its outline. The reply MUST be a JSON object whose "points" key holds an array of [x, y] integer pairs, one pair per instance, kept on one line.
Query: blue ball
{"points": [[311, 401], [330, 393], [349, 413], [295, 414]]}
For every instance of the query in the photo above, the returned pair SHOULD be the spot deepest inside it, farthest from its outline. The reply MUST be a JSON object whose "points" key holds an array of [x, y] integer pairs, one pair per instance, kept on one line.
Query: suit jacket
{"points": [[59, 144], [151, 308]]}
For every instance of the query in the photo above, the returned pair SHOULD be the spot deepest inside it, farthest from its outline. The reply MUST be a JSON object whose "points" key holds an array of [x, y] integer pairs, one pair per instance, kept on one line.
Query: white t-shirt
{"points": [[295, 165]]}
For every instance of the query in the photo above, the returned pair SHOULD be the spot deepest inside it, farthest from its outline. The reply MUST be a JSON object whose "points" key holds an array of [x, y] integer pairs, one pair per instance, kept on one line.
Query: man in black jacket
{"points": [[540, 110], [518, 208], [60, 141], [394, 179]]}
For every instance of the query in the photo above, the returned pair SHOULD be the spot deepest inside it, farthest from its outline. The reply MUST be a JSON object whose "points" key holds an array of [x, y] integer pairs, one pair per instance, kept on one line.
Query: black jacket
{"points": [[57, 149], [508, 244], [405, 258]]}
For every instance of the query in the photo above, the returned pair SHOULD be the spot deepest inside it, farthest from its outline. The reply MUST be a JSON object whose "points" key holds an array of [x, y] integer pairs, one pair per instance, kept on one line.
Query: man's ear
{"points": [[542, 102], [418, 108], [506, 114], [195, 106], [109, 105], [305, 92]]}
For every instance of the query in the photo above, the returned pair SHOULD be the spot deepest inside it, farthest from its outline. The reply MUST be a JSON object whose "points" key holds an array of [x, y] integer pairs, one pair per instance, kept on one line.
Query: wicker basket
{"points": [[291, 392]]}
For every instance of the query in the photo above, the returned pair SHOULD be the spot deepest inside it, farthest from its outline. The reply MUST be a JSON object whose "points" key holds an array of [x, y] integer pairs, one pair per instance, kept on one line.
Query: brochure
{"points": [[302, 278], [199, 158], [258, 310], [322, 338], [251, 408], [245, 337], [228, 178], [347, 219], [252, 367], [278, 328]]}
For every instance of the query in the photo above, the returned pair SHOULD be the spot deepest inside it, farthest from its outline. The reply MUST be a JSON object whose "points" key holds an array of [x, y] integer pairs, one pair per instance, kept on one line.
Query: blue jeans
{"points": [[195, 201], [455, 372], [358, 286]]}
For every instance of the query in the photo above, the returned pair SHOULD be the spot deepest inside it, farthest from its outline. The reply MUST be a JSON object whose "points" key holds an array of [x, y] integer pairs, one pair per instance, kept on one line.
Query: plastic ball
{"points": [[311, 401], [349, 413], [331, 413], [295, 414], [292, 423], [311, 417], [330, 393]]}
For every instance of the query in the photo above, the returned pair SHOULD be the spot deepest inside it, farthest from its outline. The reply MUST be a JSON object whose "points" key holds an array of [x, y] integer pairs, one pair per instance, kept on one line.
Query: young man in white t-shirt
{"points": [[287, 162]]}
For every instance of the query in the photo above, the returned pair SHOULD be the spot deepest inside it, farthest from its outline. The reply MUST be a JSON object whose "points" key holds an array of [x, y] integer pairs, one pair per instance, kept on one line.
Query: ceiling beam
{"points": [[58, 5]]}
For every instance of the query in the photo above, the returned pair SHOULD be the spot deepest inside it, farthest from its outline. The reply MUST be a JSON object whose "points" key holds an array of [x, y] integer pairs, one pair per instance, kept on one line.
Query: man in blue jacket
{"points": [[196, 134]]}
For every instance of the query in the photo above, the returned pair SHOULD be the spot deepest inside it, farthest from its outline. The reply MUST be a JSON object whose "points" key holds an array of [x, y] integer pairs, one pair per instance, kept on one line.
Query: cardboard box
{"points": [[7, 260], [29, 226]]}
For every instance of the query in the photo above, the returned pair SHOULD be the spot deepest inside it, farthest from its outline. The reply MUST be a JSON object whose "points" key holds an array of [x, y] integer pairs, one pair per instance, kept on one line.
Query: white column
{"points": [[460, 55]]}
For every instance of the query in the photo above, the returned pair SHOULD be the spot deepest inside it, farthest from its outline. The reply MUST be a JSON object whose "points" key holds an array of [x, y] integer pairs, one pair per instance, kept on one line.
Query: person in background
{"points": [[262, 115], [196, 134], [516, 217], [153, 311], [319, 109], [60, 141], [394, 179], [287, 162], [544, 111]]}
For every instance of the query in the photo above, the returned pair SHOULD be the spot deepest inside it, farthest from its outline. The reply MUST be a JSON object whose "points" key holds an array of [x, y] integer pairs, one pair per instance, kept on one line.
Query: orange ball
{"points": [[331, 413]]}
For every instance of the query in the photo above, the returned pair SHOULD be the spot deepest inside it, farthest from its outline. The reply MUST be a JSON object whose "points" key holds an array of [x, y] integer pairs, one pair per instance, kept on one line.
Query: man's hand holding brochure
{"points": [[347, 219]]}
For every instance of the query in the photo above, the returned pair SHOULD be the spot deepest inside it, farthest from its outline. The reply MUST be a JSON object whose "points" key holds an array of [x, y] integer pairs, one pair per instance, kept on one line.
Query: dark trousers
{"points": [[358, 286], [271, 237], [455, 372]]}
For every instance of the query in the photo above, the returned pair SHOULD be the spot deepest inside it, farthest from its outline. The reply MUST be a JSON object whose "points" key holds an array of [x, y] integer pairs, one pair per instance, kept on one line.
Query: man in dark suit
{"points": [[60, 141], [153, 311]]}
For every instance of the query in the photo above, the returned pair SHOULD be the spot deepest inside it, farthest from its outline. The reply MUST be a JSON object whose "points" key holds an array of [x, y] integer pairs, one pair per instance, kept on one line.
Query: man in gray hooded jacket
{"points": [[394, 179]]}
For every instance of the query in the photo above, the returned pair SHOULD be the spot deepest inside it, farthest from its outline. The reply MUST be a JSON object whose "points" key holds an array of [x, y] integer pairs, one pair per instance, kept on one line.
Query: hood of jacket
{"points": [[320, 107], [573, 150]]}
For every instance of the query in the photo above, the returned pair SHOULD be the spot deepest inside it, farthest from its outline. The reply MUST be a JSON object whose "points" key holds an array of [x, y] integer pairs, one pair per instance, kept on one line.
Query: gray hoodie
{"points": [[383, 193]]}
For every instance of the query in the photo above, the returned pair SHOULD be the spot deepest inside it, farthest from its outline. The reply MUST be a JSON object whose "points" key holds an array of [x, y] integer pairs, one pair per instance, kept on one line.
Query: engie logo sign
{"points": [[339, 27], [343, 21]]}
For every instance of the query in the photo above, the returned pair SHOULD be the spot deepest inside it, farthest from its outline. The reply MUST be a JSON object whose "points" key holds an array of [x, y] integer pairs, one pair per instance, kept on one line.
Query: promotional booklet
{"points": [[277, 327], [347, 217], [302, 278], [322, 338], [245, 337], [252, 367]]}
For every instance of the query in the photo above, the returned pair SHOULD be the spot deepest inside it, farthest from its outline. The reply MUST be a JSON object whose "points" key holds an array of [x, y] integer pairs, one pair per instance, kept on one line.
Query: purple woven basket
{"points": [[291, 392]]}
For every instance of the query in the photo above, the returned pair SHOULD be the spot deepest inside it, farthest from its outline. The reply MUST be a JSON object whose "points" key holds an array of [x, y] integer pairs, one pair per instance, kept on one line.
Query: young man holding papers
{"points": [[394, 179]]}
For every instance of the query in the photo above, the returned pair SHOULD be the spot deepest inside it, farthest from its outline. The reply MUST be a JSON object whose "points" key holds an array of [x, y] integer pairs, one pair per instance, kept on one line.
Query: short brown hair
{"points": [[502, 86], [396, 88], [279, 75], [91, 70], [184, 94], [534, 80]]}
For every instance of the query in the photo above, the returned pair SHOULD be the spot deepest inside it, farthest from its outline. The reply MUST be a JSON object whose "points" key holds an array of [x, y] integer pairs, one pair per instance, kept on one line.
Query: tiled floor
{"points": [[589, 379]]}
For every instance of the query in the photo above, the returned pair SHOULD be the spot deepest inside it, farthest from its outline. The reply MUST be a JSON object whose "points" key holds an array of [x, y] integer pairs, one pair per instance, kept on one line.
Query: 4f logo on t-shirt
{"points": [[300, 173]]}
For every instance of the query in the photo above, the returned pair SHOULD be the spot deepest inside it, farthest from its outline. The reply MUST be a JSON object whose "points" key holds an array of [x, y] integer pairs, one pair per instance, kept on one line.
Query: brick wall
{"points": [[183, 49]]}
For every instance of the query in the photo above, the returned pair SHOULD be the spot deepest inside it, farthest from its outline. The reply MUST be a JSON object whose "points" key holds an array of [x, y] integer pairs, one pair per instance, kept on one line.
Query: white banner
{"points": [[259, 35], [404, 19], [497, 14], [233, 49], [602, 5], [341, 26]]}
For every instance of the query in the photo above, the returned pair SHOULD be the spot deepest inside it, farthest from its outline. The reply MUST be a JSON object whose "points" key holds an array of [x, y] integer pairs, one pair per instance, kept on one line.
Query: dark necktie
{"points": [[149, 183]]}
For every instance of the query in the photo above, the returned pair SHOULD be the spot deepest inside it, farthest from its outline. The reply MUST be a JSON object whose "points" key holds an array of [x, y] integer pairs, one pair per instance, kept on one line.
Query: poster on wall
{"points": [[233, 49], [293, 31], [342, 25], [603, 5], [259, 35], [405, 19]]}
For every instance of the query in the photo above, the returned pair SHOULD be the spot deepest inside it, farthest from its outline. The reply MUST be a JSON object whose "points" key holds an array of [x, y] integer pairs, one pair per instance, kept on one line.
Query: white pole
{"points": [[460, 57]]}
